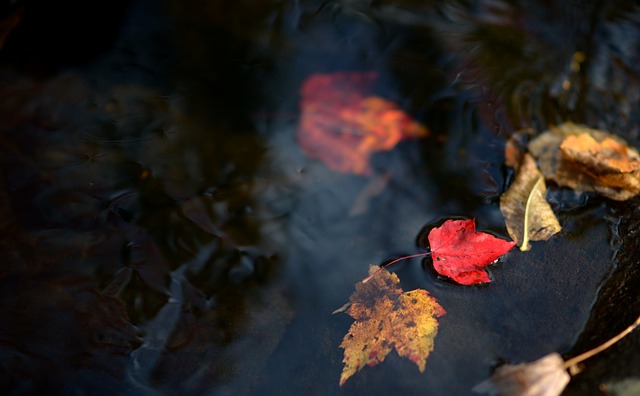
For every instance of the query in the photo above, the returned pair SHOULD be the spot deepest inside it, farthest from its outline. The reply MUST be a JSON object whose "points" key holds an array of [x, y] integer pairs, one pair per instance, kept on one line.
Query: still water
{"points": [[164, 233]]}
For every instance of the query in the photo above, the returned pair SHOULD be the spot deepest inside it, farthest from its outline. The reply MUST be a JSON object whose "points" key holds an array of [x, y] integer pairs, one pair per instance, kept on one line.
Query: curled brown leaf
{"points": [[587, 159]]}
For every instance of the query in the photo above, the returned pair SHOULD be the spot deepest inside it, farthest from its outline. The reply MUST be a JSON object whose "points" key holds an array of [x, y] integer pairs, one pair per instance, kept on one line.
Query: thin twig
{"points": [[584, 356]]}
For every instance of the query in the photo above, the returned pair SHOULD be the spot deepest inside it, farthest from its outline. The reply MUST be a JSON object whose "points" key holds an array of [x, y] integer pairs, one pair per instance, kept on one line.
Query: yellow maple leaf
{"points": [[387, 318]]}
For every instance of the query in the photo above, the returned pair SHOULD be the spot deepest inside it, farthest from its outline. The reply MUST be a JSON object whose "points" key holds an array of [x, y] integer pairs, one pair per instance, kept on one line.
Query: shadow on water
{"points": [[163, 232]]}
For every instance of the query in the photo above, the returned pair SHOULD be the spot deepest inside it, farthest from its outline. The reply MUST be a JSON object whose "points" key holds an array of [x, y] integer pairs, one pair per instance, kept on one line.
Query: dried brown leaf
{"points": [[587, 159], [611, 162], [527, 213], [544, 377]]}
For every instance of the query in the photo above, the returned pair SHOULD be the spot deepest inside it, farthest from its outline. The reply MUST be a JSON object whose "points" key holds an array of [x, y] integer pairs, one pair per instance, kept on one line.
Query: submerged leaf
{"points": [[388, 318], [544, 377], [461, 253], [586, 159], [527, 213], [375, 187], [342, 124]]}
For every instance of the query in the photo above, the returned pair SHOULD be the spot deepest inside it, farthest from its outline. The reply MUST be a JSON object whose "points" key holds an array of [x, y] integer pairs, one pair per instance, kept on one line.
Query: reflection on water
{"points": [[163, 232]]}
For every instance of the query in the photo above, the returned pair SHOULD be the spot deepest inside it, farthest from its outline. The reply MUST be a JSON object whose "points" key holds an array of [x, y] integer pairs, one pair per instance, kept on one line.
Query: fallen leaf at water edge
{"points": [[611, 162], [461, 253], [342, 124], [587, 159], [527, 213], [388, 318]]}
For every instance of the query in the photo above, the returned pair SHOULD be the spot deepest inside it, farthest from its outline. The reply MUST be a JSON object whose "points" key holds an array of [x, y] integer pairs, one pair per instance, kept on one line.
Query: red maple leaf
{"points": [[461, 253]]}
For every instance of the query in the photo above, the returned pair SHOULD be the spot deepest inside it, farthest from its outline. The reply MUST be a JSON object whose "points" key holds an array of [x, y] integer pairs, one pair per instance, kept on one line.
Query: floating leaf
{"points": [[342, 124], [387, 318], [461, 253], [586, 159], [545, 377], [375, 187], [527, 213]]}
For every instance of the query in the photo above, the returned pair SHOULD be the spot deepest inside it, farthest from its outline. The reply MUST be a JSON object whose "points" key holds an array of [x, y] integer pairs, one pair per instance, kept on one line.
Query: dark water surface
{"points": [[163, 233]]}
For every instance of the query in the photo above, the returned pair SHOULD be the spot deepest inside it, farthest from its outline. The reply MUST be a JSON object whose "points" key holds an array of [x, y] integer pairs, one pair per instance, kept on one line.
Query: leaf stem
{"points": [[586, 355], [365, 280]]}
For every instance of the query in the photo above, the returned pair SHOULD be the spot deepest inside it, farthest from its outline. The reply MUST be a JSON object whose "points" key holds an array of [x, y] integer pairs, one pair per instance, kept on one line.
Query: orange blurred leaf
{"points": [[387, 318], [342, 124]]}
